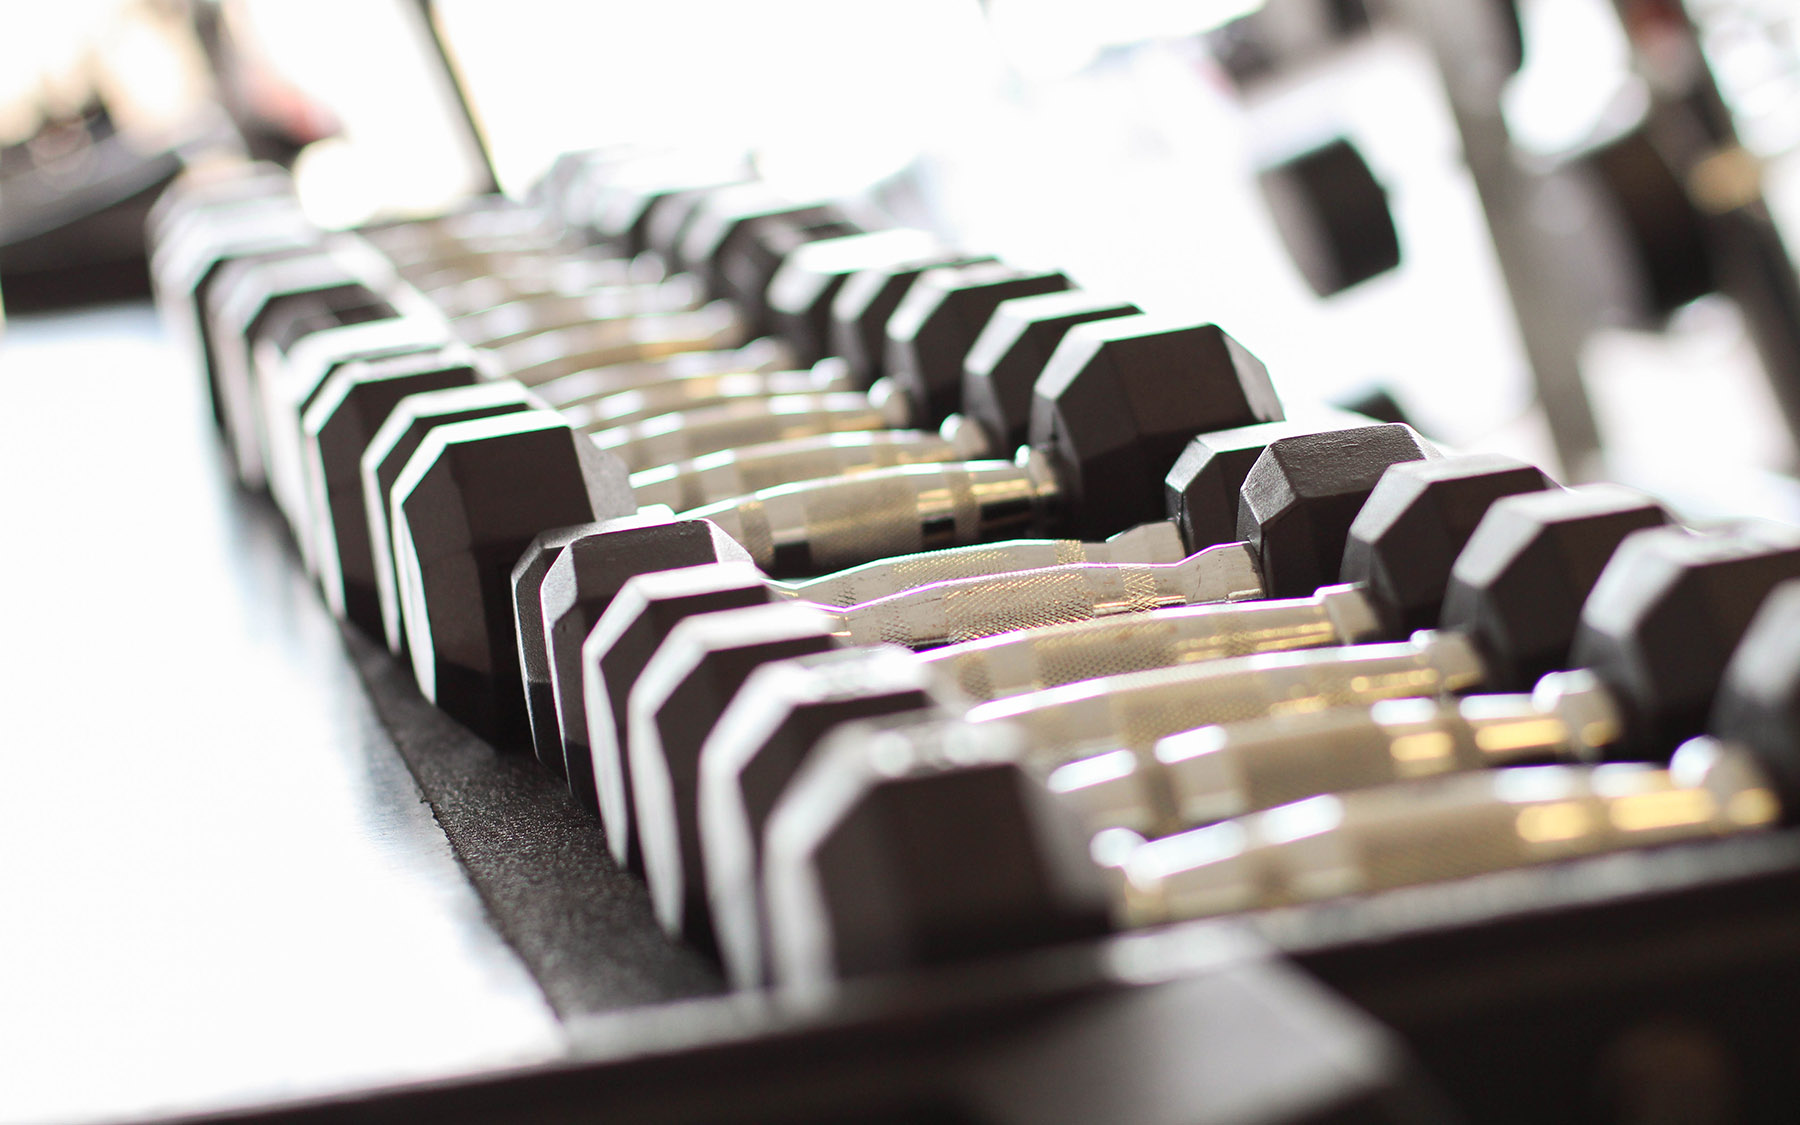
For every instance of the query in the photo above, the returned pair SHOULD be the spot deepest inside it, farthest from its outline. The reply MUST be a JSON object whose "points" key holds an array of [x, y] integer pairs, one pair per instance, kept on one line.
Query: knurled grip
{"points": [[669, 438], [1225, 771], [1017, 663], [966, 609], [473, 295], [550, 355], [1135, 710], [818, 526], [511, 320], [761, 354], [1158, 542], [1452, 828], [729, 473], [671, 395]]}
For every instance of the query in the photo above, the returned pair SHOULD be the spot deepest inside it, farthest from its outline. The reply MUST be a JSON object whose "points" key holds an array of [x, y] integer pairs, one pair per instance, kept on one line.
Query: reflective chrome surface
{"points": [[219, 882]]}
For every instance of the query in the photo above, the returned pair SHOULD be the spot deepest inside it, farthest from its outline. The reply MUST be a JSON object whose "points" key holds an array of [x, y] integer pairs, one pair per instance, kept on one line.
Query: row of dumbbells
{"points": [[461, 418]]}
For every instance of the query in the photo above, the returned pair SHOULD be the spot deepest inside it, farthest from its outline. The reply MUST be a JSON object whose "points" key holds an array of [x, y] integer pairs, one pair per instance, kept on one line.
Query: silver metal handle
{"points": [[594, 382], [515, 319], [682, 436], [708, 389], [970, 608], [730, 473], [1451, 828], [1214, 773], [824, 525], [1022, 662], [1148, 543], [550, 355], [1135, 710]]}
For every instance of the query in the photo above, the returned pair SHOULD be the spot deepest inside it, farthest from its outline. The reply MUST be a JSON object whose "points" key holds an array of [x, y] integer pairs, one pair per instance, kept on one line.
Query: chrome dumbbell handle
{"points": [[670, 396], [729, 473], [818, 526], [1135, 710], [1450, 828], [1148, 543], [1017, 663], [518, 318], [669, 438], [1214, 773], [553, 354], [966, 609], [595, 382]]}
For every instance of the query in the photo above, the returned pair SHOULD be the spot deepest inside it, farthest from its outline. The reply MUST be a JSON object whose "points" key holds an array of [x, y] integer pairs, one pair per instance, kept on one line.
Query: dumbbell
{"points": [[1007, 355], [1712, 581], [862, 879], [346, 466], [902, 450], [1523, 624], [939, 566], [1367, 460], [1511, 612], [317, 367], [1421, 512], [1018, 661]]}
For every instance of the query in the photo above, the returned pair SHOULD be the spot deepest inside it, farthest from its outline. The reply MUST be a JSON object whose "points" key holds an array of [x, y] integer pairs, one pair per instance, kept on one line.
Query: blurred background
{"points": [[1549, 227]]}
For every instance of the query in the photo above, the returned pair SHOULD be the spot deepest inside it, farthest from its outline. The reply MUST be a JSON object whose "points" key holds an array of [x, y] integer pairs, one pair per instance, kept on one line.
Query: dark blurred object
{"points": [[73, 199], [1377, 401], [75, 193], [271, 118], [1333, 216]]}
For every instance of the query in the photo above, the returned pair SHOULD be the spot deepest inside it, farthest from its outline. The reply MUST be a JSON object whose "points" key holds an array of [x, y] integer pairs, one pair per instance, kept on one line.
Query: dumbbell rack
{"points": [[1516, 994]]}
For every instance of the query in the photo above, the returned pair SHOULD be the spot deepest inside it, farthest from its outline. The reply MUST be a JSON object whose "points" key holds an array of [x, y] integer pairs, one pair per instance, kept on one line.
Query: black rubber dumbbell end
{"points": [[470, 500], [915, 841], [765, 736], [1119, 400], [1201, 490], [1518, 586], [578, 586], [1302, 494], [1666, 615], [1404, 542]]}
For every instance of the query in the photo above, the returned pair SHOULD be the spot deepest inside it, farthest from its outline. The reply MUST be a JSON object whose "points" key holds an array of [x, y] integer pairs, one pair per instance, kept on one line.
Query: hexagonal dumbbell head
{"points": [[1758, 704], [932, 330], [1302, 494], [1202, 490], [1759, 699], [676, 702], [1404, 541], [1004, 362], [626, 209], [470, 500], [717, 244], [184, 269], [760, 742], [388, 451], [752, 262], [1518, 586], [337, 428], [802, 290], [867, 300], [1666, 614], [287, 393], [275, 299], [1333, 215], [618, 647], [577, 588], [528, 632], [1121, 397], [916, 841]]}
